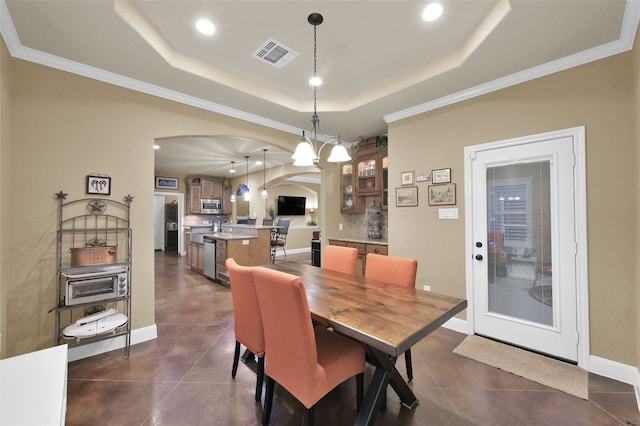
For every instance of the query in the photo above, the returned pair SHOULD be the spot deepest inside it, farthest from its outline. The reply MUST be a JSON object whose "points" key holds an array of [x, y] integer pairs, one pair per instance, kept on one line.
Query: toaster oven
{"points": [[93, 288]]}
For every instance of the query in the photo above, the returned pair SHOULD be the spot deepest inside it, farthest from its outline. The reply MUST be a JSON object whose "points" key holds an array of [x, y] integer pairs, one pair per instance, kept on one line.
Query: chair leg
{"points": [[268, 400], [285, 253], [260, 378], [407, 361], [359, 390], [307, 420], [236, 358]]}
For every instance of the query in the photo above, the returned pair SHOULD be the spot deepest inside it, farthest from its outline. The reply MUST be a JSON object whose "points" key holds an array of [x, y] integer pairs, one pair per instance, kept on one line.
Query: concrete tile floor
{"points": [[184, 377]]}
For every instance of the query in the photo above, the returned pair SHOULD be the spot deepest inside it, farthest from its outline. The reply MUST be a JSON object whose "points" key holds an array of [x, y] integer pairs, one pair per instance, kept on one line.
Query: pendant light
{"points": [[264, 194], [233, 171], [247, 193], [305, 153]]}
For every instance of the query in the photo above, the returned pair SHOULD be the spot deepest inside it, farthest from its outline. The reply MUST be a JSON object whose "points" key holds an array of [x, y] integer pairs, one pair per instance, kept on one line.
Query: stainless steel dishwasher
{"points": [[209, 257]]}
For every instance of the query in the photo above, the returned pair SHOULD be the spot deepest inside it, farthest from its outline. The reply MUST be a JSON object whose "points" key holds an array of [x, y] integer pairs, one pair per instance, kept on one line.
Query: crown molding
{"points": [[624, 43]]}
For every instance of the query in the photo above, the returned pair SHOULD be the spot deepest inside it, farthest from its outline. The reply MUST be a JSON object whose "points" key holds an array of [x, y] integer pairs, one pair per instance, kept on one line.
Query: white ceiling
{"points": [[379, 61]]}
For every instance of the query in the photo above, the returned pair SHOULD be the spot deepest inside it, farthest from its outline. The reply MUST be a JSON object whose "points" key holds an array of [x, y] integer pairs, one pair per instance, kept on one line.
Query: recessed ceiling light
{"points": [[205, 27], [156, 146], [432, 12]]}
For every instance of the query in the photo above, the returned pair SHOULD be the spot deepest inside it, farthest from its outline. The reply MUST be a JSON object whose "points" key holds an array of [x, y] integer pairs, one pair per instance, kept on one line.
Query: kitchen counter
{"points": [[228, 236], [360, 240]]}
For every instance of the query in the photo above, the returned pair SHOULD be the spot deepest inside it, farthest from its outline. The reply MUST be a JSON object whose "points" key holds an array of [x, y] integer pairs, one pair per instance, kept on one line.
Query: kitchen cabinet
{"points": [[368, 172], [349, 203], [366, 176], [195, 257], [384, 160], [195, 194], [363, 249], [198, 188], [93, 277], [227, 208]]}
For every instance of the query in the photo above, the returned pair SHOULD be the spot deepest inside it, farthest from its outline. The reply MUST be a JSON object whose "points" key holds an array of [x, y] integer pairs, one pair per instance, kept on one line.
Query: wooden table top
{"points": [[387, 317]]}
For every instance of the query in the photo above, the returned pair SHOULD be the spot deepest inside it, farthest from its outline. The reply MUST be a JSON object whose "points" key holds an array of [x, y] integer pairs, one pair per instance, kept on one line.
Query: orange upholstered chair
{"points": [[340, 259], [307, 362], [246, 316], [393, 270]]}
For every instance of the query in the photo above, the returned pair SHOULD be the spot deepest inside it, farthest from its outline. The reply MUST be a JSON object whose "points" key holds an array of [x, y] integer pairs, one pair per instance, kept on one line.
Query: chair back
{"points": [[288, 330], [267, 221], [246, 309], [391, 269], [285, 226], [242, 221], [251, 221], [497, 238], [340, 259]]}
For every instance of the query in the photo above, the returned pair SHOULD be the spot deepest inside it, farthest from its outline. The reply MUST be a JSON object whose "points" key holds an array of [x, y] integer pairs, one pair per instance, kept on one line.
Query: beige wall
{"points": [[636, 112], [64, 127], [5, 179], [596, 95]]}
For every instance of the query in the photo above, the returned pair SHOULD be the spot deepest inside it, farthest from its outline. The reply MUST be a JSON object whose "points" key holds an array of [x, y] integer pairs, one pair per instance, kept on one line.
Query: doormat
{"points": [[538, 368]]}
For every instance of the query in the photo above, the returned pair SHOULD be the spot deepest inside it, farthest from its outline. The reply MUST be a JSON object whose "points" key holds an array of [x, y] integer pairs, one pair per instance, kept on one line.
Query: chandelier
{"points": [[305, 153]]}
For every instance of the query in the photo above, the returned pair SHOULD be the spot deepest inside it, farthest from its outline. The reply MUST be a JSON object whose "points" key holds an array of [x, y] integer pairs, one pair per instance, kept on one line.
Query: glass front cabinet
{"points": [[348, 199], [366, 176], [368, 173]]}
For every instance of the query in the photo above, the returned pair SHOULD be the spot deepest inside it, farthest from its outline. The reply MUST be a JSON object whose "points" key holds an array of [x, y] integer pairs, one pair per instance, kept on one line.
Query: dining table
{"points": [[387, 319]]}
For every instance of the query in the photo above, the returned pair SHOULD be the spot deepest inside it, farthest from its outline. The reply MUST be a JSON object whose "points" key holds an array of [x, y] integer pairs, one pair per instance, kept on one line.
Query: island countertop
{"points": [[228, 236], [359, 240]]}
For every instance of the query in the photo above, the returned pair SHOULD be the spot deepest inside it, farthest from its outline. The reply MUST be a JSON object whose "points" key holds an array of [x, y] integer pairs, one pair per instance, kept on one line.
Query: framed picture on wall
{"points": [[442, 195], [407, 196], [166, 183], [407, 178], [99, 185], [441, 176]]}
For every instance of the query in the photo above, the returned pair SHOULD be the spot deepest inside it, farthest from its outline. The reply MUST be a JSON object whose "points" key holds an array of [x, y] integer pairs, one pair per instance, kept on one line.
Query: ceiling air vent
{"points": [[275, 53]]}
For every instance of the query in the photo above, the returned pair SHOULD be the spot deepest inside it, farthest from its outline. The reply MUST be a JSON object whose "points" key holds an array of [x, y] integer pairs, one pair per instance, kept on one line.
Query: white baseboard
{"points": [[280, 254], [617, 371], [138, 335], [457, 324]]}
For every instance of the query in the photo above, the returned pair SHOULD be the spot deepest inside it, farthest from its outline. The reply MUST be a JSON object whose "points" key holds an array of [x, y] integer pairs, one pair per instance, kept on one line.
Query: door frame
{"points": [[580, 204], [180, 195]]}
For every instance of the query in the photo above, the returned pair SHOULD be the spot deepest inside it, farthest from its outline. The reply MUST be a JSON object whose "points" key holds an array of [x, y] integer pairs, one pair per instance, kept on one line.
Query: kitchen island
{"points": [[249, 245]]}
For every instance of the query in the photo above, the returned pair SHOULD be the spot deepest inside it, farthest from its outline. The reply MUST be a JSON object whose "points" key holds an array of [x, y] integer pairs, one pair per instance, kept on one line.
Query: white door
{"points": [[158, 222], [523, 235]]}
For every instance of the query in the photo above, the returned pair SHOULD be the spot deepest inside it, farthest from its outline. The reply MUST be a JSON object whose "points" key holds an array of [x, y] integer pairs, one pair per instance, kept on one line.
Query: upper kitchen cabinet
{"points": [[365, 176], [384, 159], [199, 188], [367, 172], [226, 199], [349, 203]]}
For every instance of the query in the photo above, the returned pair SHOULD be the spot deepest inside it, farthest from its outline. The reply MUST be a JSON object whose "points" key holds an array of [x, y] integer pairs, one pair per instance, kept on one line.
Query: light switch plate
{"points": [[448, 214]]}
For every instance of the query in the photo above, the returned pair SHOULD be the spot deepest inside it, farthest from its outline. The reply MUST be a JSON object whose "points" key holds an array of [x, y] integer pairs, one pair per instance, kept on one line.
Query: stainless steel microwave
{"points": [[210, 206]]}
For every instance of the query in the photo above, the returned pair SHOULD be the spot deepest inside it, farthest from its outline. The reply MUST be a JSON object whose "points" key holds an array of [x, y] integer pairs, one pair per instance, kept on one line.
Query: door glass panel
{"points": [[519, 241]]}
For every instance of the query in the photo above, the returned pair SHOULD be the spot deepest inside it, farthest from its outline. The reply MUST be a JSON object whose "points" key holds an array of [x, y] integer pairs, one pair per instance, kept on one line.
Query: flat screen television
{"points": [[291, 206]]}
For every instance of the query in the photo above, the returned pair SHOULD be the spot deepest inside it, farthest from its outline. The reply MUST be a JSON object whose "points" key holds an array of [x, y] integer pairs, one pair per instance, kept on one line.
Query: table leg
{"points": [[385, 374], [373, 398], [247, 356]]}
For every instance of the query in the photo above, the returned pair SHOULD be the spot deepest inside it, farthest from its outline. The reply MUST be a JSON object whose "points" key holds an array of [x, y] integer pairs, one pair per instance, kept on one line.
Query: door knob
{"points": [[479, 244], [478, 257]]}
